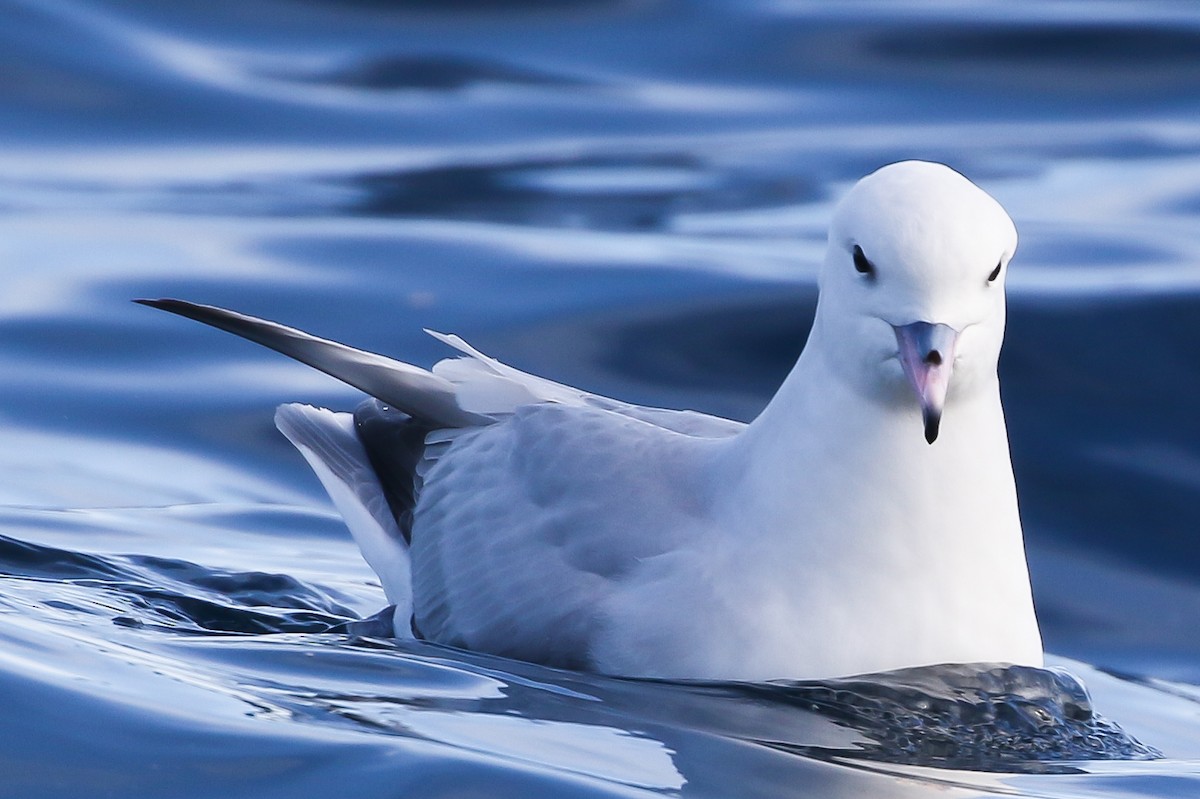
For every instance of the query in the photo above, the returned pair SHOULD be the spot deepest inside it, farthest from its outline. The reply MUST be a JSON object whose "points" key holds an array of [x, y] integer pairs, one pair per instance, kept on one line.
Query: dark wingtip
{"points": [[162, 303], [201, 313]]}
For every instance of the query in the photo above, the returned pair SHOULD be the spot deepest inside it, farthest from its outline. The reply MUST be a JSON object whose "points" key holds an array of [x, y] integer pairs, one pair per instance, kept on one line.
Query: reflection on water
{"points": [[627, 196]]}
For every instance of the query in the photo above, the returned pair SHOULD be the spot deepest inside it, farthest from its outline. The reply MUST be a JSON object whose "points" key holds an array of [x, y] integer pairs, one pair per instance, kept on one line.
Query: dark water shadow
{"points": [[434, 73], [176, 595]]}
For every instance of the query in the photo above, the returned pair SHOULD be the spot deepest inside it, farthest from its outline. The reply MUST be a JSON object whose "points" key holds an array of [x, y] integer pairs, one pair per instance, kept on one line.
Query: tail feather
{"points": [[328, 442]]}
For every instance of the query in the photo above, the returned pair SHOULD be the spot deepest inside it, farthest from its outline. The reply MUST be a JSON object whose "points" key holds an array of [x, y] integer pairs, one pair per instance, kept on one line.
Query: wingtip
{"points": [[164, 303], [208, 314]]}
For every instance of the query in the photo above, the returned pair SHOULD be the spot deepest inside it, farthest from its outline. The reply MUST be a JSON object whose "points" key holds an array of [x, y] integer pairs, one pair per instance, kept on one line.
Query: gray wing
{"points": [[458, 392], [413, 390], [525, 529], [526, 501]]}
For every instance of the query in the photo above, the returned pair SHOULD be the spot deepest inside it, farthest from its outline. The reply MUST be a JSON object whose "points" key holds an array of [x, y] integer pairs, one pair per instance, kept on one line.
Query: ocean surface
{"points": [[626, 195]]}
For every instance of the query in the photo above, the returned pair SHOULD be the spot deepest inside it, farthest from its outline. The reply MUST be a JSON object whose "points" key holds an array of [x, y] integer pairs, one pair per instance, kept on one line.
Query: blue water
{"points": [[629, 196]]}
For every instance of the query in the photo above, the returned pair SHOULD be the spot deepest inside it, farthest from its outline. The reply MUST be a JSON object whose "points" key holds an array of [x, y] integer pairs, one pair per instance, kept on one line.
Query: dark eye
{"points": [[995, 274], [861, 264]]}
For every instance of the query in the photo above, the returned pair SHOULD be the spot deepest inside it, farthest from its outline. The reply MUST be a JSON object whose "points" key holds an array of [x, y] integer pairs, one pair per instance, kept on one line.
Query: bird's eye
{"points": [[995, 272], [861, 264]]}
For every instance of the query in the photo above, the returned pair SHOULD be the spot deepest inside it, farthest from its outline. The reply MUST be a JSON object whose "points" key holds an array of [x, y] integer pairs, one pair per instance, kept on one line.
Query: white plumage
{"points": [[826, 538]]}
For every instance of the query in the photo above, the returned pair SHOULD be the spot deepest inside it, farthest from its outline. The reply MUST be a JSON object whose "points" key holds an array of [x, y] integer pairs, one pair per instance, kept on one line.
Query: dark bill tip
{"points": [[933, 421]]}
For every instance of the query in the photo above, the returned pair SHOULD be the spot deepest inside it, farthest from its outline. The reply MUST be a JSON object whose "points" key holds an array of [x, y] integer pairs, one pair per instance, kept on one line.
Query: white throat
{"points": [[917, 548]]}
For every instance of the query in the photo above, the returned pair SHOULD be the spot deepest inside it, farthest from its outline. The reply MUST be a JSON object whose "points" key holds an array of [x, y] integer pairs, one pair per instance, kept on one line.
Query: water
{"points": [[628, 196]]}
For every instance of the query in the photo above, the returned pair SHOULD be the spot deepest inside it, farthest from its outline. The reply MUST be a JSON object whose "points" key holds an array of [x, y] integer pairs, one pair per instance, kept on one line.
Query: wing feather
{"points": [[413, 390]]}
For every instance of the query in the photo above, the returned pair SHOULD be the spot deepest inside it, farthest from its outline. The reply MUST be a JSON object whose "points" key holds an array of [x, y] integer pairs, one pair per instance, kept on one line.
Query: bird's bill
{"points": [[927, 357]]}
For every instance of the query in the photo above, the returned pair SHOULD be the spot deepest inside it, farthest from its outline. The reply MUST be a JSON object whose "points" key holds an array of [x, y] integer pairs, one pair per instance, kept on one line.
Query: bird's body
{"points": [[509, 514]]}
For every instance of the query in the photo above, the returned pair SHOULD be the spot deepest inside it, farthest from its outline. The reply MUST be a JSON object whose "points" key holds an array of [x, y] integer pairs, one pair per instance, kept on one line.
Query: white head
{"points": [[912, 288]]}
